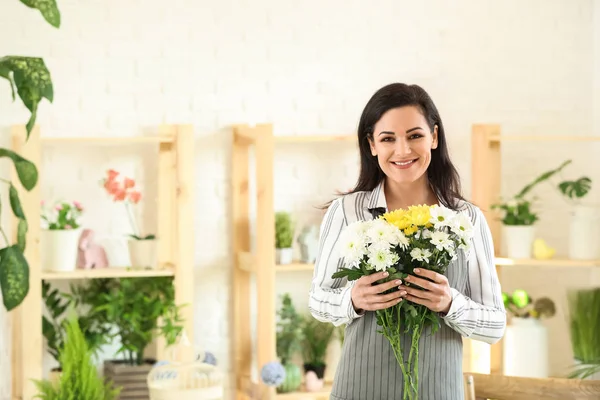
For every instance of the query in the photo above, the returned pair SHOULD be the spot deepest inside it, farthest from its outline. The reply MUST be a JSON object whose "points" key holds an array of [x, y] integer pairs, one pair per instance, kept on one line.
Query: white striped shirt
{"points": [[478, 313]]}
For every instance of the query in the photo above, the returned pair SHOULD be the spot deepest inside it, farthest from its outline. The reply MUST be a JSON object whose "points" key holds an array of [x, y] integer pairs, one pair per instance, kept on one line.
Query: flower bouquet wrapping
{"points": [[426, 237]]}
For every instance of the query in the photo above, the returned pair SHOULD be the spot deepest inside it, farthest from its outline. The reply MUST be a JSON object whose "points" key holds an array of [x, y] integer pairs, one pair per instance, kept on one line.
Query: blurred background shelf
{"points": [[320, 395], [107, 273], [552, 262], [295, 266]]}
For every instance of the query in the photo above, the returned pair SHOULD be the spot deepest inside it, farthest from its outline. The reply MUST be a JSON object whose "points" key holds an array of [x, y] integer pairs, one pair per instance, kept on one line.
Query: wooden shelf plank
{"points": [[543, 138], [552, 262], [301, 395], [295, 266], [107, 140], [314, 138], [107, 273]]}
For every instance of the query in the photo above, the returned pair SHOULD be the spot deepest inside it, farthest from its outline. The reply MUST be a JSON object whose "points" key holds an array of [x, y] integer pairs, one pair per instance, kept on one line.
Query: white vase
{"points": [[284, 256], [58, 249], [584, 234], [142, 253], [518, 240], [526, 348]]}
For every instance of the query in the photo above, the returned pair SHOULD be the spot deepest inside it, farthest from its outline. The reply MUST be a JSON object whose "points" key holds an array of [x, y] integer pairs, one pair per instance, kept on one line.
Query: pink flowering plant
{"points": [[63, 215], [123, 189]]}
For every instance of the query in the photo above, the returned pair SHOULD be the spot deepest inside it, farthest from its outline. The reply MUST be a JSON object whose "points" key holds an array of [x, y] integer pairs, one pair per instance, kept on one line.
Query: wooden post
{"points": [[242, 346], [184, 227], [486, 186], [261, 137], [27, 318], [265, 251]]}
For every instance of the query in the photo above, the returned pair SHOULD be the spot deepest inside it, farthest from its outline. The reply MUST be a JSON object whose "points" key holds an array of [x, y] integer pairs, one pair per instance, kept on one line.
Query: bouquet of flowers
{"points": [[426, 237]]}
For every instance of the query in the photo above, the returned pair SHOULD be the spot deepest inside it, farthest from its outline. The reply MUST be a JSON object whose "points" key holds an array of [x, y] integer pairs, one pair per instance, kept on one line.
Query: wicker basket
{"points": [[185, 381]]}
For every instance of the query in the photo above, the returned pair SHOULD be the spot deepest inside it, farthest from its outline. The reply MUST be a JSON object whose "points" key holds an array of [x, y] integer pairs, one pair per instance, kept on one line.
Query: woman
{"points": [[404, 162]]}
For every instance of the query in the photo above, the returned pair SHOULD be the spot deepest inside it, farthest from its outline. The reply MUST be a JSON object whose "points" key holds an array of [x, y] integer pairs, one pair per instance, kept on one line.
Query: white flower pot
{"points": [[584, 235], [58, 249], [143, 253], [284, 256], [526, 348], [518, 240]]}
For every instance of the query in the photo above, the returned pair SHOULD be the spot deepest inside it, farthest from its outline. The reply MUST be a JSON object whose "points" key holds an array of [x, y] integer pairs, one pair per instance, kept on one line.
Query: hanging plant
{"points": [[28, 78]]}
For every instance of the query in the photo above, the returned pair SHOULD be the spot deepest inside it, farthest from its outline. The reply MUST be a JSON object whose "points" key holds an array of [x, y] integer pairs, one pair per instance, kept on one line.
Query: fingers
{"points": [[384, 298], [388, 304], [434, 276], [375, 277], [418, 300], [421, 294], [382, 287], [425, 284]]}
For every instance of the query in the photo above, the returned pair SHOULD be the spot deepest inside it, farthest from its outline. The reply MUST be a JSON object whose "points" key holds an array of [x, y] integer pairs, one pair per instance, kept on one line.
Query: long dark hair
{"points": [[442, 175]]}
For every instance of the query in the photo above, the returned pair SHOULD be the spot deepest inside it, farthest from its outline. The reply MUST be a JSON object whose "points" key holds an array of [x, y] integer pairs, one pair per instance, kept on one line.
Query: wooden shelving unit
{"points": [[260, 261], [295, 267], [175, 231], [486, 148]]}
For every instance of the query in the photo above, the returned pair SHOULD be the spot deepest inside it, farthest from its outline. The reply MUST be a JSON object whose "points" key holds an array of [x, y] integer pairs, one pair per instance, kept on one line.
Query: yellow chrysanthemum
{"points": [[410, 230], [398, 218], [419, 215]]}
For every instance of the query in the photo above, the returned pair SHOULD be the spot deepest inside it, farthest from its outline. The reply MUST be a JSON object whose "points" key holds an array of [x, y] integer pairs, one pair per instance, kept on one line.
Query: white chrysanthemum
{"points": [[462, 227], [380, 259], [401, 239], [441, 216], [420, 254], [441, 240], [380, 231], [353, 243]]}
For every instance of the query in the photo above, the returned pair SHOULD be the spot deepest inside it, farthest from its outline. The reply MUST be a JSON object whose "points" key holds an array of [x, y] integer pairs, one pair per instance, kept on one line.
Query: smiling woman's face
{"points": [[402, 142]]}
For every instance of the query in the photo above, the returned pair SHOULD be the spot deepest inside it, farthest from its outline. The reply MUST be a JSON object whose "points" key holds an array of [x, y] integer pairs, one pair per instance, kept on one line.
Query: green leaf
{"points": [[48, 8], [350, 273], [32, 80], [15, 203], [578, 188], [26, 170], [21, 234], [14, 276], [545, 176]]}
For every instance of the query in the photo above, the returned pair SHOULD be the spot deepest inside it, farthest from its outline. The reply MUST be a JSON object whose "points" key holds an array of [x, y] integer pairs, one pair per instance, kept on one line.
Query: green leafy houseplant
{"points": [[518, 210], [80, 379], [521, 305], [316, 336], [93, 327], [584, 325], [140, 309], [284, 230], [28, 78], [288, 343]]}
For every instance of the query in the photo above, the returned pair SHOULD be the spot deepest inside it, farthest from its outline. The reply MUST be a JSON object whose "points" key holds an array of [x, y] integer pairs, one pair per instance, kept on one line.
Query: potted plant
{"points": [[584, 233], [80, 378], [93, 328], [519, 218], [139, 310], [142, 247], [289, 342], [526, 339], [60, 234], [284, 236], [584, 326], [316, 336]]}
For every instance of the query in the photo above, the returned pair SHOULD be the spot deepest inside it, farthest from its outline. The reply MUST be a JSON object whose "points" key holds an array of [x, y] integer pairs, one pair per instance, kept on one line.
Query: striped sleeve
{"points": [[479, 313], [330, 299]]}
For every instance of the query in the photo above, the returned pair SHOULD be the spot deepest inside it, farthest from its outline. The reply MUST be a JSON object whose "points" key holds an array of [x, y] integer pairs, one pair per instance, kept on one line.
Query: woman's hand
{"points": [[366, 296], [436, 294]]}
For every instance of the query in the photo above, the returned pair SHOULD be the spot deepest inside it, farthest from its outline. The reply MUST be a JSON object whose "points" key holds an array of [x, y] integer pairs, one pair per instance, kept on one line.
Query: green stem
{"points": [[134, 226]]}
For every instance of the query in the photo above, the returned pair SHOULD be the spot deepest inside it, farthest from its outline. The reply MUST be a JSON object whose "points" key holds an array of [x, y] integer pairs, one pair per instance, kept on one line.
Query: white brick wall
{"points": [[309, 69]]}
